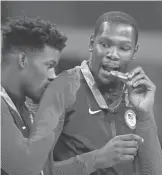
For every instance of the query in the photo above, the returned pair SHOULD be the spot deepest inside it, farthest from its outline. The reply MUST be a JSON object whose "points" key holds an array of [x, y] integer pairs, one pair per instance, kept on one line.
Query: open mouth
{"points": [[114, 70], [109, 68]]}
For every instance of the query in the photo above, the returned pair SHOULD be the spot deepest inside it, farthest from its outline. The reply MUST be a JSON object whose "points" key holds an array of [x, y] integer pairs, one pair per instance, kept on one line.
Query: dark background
{"points": [[77, 20]]}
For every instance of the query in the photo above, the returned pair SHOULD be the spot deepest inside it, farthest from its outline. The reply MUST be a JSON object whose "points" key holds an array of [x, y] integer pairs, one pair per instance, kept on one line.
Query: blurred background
{"points": [[77, 20]]}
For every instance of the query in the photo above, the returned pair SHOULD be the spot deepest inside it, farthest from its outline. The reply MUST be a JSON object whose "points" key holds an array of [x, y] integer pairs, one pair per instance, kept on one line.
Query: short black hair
{"points": [[31, 34], [116, 16]]}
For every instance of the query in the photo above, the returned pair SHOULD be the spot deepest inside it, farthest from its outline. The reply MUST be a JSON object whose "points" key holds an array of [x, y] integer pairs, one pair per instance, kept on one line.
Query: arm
{"points": [[25, 155], [141, 91], [149, 157], [28, 155], [81, 165]]}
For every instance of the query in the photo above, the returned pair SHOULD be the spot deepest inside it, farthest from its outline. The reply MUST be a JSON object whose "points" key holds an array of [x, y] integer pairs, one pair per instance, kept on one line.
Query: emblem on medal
{"points": [[130, 119]]}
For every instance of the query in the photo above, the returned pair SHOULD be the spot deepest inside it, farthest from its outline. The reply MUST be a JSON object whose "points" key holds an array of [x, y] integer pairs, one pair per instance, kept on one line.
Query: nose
{"points": [[113, 54], [51, 74]]}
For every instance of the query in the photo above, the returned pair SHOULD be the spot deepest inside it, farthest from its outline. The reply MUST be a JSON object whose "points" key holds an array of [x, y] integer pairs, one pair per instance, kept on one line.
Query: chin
{"points": [[104, 81], [36, 97], [35, 100], [39, 95]]}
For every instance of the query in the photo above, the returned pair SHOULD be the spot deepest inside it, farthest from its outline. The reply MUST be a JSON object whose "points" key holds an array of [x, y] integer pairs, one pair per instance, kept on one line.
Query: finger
{"points": [[136, 78], [129, 151], [130, 137], [129, 86], [137, 70], [127, 158], [148, 85], [130, 144]]}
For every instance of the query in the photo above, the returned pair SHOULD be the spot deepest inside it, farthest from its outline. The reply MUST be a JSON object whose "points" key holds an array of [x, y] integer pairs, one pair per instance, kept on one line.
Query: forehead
{"points": [[47, 54], [117, 31]]}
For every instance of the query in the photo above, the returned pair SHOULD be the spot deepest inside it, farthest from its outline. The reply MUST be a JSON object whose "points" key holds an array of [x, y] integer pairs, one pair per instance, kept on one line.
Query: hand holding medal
{"points": [[141, 91]]}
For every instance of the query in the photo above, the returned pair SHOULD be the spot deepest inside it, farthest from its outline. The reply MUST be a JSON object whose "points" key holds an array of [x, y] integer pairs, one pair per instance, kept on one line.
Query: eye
{"points": [[104, 45], [50, 66], [125, 48]]}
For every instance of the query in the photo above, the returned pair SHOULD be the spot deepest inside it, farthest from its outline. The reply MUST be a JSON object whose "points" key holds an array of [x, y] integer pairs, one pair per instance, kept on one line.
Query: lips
{"points": [[112, 66]]}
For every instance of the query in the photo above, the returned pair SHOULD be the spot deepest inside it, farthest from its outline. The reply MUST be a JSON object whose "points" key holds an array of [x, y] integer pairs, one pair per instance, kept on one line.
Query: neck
{"points": [[112, 92], [113, 87], [12, 87]]}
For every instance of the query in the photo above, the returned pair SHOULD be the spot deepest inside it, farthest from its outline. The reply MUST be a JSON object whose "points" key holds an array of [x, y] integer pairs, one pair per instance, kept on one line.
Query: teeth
{"points": [[110, 68], [119, 75], [113, 65]]}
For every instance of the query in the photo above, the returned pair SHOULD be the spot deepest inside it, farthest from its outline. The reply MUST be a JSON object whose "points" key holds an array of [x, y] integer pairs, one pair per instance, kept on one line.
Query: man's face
{"points": [[40, 70], [113, 45]]}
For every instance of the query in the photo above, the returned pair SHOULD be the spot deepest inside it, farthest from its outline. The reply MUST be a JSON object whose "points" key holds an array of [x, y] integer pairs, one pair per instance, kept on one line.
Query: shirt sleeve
{"points": [[149, 157], [27, 156], [81, 165]]}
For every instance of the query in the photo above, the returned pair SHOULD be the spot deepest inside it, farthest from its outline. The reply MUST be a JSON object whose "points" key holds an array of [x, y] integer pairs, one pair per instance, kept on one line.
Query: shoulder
{"points": [[4, 106], [64, 87], [69, 79], [5, 112], [73, 74]]}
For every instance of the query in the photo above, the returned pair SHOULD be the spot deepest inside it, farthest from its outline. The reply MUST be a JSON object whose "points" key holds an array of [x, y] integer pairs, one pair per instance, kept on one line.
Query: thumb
{"points": [[129, 86]]}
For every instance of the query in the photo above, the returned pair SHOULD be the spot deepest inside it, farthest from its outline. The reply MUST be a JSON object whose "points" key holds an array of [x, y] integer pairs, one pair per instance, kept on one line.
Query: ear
{"points": [[135, 51], [91, 43], [22, 60]]}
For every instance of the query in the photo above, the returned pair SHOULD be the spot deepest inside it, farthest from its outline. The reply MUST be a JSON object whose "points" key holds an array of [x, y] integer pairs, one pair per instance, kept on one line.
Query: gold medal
{"points": [[130, 119]]}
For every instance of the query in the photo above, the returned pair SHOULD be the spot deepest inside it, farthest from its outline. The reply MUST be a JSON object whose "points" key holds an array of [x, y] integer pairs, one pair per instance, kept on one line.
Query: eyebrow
{"points": [[51, 62], [122, 42]]}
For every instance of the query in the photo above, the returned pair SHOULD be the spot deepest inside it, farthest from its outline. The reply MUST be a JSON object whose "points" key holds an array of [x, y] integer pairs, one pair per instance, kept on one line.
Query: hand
{"points": [[141, 91], [119, 149]]}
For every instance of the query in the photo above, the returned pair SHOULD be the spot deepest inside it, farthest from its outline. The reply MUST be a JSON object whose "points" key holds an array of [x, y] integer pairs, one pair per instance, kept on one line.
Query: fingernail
{"points": [[129, 75], [131, 83], [134, 84]]}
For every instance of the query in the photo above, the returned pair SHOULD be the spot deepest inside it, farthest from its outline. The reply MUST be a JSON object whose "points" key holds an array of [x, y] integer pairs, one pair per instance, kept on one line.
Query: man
{"points": [[106, 107], [30, 51]]}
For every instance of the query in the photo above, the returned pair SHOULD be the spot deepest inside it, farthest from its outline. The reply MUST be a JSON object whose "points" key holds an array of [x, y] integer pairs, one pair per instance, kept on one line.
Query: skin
{"points": [[116, 43], [141, 92], [34, 77], [29, 73], [113, 43]]}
